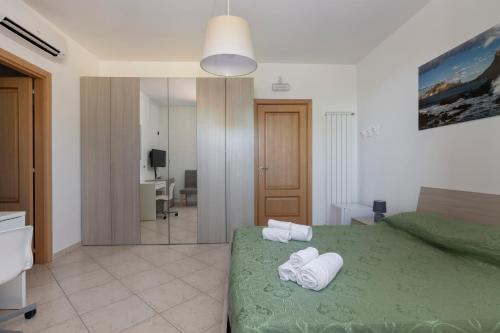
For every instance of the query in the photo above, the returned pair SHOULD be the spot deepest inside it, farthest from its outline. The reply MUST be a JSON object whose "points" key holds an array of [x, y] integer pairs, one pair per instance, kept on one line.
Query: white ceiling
{"points": [[285, 31], [170, 92]]}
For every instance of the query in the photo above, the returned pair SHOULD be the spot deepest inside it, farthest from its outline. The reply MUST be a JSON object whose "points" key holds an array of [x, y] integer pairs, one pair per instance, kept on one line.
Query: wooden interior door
{"points": [[283, 161], [16, 145]]}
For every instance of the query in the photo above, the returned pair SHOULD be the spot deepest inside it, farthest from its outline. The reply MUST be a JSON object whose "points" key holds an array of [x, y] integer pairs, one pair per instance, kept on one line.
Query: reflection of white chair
{"points": [[168, 198], [15, 258]]}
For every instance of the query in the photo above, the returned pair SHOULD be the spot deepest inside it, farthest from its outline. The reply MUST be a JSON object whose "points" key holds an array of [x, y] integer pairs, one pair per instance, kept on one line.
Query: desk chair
{"points": [[190, 184], [169, 197], [15, 258]]}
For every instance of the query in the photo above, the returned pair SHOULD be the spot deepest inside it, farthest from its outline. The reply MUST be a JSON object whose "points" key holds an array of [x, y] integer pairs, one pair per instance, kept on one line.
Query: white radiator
{"points": [[341, 180]]}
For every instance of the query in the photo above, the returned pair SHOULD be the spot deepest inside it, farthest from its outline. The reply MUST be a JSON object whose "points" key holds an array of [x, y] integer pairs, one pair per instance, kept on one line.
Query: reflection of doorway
{"points": [[25, 129], [283, 161], [168, 127]]}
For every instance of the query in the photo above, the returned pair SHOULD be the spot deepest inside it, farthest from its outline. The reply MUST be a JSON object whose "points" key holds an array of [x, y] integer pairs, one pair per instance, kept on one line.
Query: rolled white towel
{"points": [[279, 224], [301, 232], [318, 273], [302, 257], [287, 272], [276, 235]]}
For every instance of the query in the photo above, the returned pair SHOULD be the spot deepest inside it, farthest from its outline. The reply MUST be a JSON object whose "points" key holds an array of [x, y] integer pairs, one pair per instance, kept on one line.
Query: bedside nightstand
{"points": [[362, 220]]}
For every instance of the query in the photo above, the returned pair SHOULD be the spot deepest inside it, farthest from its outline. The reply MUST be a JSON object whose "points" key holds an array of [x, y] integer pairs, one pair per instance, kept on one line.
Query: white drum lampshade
{"points": [[228, 47]]}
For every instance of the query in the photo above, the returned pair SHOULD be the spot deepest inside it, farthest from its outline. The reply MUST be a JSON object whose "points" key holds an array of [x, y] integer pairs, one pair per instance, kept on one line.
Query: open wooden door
{"points": [[283, 161], [16, 145]]}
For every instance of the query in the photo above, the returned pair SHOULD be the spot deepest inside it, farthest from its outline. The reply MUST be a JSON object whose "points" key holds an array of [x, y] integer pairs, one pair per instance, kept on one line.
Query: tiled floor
{"points": [[145, 288], [183, 228]]}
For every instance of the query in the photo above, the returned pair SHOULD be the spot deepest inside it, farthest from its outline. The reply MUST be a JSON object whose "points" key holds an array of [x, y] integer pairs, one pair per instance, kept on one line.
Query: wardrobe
{"points": [[110, 155]]}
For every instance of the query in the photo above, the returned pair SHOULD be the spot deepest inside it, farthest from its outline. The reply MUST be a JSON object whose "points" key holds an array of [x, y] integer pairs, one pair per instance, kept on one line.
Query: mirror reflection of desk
{"points": [[149, 189]]}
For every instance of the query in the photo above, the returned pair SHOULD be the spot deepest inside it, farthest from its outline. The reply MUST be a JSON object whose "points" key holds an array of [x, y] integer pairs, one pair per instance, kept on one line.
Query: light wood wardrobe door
{"points": [[125, 156], [95, 152], [211, 100], [239, 154]]}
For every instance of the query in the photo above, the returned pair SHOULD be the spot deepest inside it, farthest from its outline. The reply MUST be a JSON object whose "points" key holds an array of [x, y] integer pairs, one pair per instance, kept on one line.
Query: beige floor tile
{"points": [[117, 258], [214, 256], [74, 269], [44, 294], [39, 268], [103, 251], [147, 279], [218, 292], [118, 316], [192, 249], [36, 277], [128, 268], [157, 254], [184, 266], [215, 329], [48, 314], [85, 281], [223, 265], [196, 315], [165, 296], [157, 324], [206, 279], [74, 325], [69, 258], [97, 297]]}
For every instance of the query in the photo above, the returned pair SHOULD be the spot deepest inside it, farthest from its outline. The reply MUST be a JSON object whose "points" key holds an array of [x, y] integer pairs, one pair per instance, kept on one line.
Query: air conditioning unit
{"points": [[23, 22]]}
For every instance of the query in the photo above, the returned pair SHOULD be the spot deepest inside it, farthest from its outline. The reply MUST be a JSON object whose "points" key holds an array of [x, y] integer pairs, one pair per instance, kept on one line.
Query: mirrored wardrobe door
{"points": [[182, 155], [155, 182]]}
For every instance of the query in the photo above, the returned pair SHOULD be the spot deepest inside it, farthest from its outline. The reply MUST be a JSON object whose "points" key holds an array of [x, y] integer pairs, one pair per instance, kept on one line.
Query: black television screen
{"points": [[157, 158]]}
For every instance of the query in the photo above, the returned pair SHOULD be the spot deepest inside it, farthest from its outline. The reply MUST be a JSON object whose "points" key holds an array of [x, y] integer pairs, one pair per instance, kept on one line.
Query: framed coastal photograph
{"points": [[461, 85]]}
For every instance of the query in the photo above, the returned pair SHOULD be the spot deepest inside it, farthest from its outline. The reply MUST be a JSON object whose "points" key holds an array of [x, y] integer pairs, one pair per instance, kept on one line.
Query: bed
{"points": [[434, 271]]}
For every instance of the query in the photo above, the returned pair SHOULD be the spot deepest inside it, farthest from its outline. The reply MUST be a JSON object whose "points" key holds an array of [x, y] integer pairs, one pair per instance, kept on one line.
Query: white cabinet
{"points": [[344, 213], [13, 293]]}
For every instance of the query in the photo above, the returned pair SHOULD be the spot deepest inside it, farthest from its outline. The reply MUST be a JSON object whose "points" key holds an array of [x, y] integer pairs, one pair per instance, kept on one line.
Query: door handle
{"points": [[263, 168]]}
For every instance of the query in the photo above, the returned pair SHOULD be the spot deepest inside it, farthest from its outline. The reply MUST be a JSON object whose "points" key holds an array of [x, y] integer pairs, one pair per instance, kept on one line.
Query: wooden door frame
{"points": [[308, 103], [42, 148]]}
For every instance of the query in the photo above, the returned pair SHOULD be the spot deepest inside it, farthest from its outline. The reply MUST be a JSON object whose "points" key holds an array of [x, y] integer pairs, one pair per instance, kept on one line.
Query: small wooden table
{"points": [[362, 220]]}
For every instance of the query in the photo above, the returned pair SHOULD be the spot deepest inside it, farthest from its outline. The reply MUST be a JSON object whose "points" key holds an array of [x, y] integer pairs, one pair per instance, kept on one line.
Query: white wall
{"points": [[182, 152], [153, 120], [396, 163], [65, 129], [331, 87]]}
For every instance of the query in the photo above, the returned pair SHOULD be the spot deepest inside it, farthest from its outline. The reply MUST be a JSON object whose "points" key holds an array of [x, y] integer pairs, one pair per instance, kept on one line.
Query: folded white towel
{"points": [[279, 224], [301, 232], [318, 273], [302, 257], [287, 272], [276, 235]]}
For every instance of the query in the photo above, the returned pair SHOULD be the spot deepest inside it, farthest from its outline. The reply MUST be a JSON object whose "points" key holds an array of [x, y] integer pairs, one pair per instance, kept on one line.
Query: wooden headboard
{"points": [[472, 207]]}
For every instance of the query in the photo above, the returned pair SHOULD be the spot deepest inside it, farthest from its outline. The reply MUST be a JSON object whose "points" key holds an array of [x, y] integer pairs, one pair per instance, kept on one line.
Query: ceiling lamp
{"points": [[228, 47]]}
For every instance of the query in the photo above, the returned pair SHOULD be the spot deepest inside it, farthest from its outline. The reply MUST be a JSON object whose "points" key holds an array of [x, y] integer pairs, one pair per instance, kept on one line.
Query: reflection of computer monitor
{"points": [[157, 159]]}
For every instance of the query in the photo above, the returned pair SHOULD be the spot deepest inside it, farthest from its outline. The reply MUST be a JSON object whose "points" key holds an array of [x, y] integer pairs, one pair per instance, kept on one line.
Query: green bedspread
{"points": [[391, 282]]}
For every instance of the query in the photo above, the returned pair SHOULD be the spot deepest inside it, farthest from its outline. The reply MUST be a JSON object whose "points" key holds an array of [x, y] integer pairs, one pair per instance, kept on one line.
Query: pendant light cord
{"points": [[227, 7]]}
